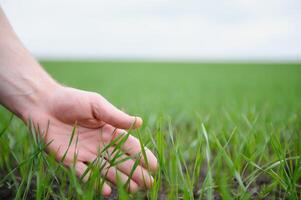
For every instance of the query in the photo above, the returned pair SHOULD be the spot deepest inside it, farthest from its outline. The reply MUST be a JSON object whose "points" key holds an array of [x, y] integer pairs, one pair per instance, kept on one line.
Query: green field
{"points": [[219, 131]]}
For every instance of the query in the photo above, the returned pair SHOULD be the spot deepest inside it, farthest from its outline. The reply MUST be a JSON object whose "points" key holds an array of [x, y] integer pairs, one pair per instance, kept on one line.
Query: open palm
{"points": [[98, 123]]}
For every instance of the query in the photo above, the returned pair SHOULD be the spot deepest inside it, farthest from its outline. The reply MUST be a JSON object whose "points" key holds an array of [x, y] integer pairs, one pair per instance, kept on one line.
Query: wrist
{"points": [[36, 99], [24, 93]]}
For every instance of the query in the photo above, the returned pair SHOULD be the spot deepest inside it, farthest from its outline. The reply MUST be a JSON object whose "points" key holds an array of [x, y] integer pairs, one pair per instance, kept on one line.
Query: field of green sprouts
{"points": [[219, 131]]}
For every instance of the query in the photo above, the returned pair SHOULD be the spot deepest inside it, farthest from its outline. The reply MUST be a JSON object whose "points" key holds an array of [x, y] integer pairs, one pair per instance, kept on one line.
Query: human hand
{"points": [[97, 123], [31, 94]]}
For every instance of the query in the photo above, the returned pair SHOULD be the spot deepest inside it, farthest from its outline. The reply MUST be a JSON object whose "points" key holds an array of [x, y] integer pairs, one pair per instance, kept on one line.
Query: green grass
{"points": [[218, 130]]}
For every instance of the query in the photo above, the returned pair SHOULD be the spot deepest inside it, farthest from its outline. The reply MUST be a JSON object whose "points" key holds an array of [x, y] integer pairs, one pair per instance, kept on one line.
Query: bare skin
{"points": [[28, 91]]}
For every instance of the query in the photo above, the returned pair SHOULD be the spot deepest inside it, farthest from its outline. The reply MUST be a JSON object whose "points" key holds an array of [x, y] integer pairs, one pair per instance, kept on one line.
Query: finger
{"points": [[81, 169], [139, 175], [113, 175], [104, 110], [132, 147]]}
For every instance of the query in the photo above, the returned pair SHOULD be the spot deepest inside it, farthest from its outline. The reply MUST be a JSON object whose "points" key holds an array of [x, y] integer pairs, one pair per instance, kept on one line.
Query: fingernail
{"points": [[138, 122]]}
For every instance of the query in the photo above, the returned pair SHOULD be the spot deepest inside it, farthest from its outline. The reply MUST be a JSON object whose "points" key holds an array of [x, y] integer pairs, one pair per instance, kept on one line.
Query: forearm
{"points": [[22, 79]]}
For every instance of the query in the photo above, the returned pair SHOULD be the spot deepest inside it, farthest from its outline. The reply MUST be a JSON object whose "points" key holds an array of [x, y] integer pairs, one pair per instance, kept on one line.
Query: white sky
{"points": [[159, 29]]}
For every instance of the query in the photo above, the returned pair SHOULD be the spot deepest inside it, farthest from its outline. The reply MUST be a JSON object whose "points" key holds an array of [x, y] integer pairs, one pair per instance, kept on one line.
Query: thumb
{"points": [[105, 111]]}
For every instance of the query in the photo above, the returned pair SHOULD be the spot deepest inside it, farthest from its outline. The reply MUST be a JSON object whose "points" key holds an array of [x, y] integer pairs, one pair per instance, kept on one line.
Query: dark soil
{"points": [[8, 192], [6, 189]]}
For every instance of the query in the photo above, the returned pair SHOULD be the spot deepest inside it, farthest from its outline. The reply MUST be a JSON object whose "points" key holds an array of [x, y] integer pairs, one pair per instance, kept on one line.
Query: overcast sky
{"points": [[159, 29]]}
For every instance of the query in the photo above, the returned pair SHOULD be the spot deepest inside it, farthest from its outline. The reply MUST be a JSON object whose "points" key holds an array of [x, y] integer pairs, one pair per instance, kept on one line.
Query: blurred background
{"points": [[264, 30]]}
